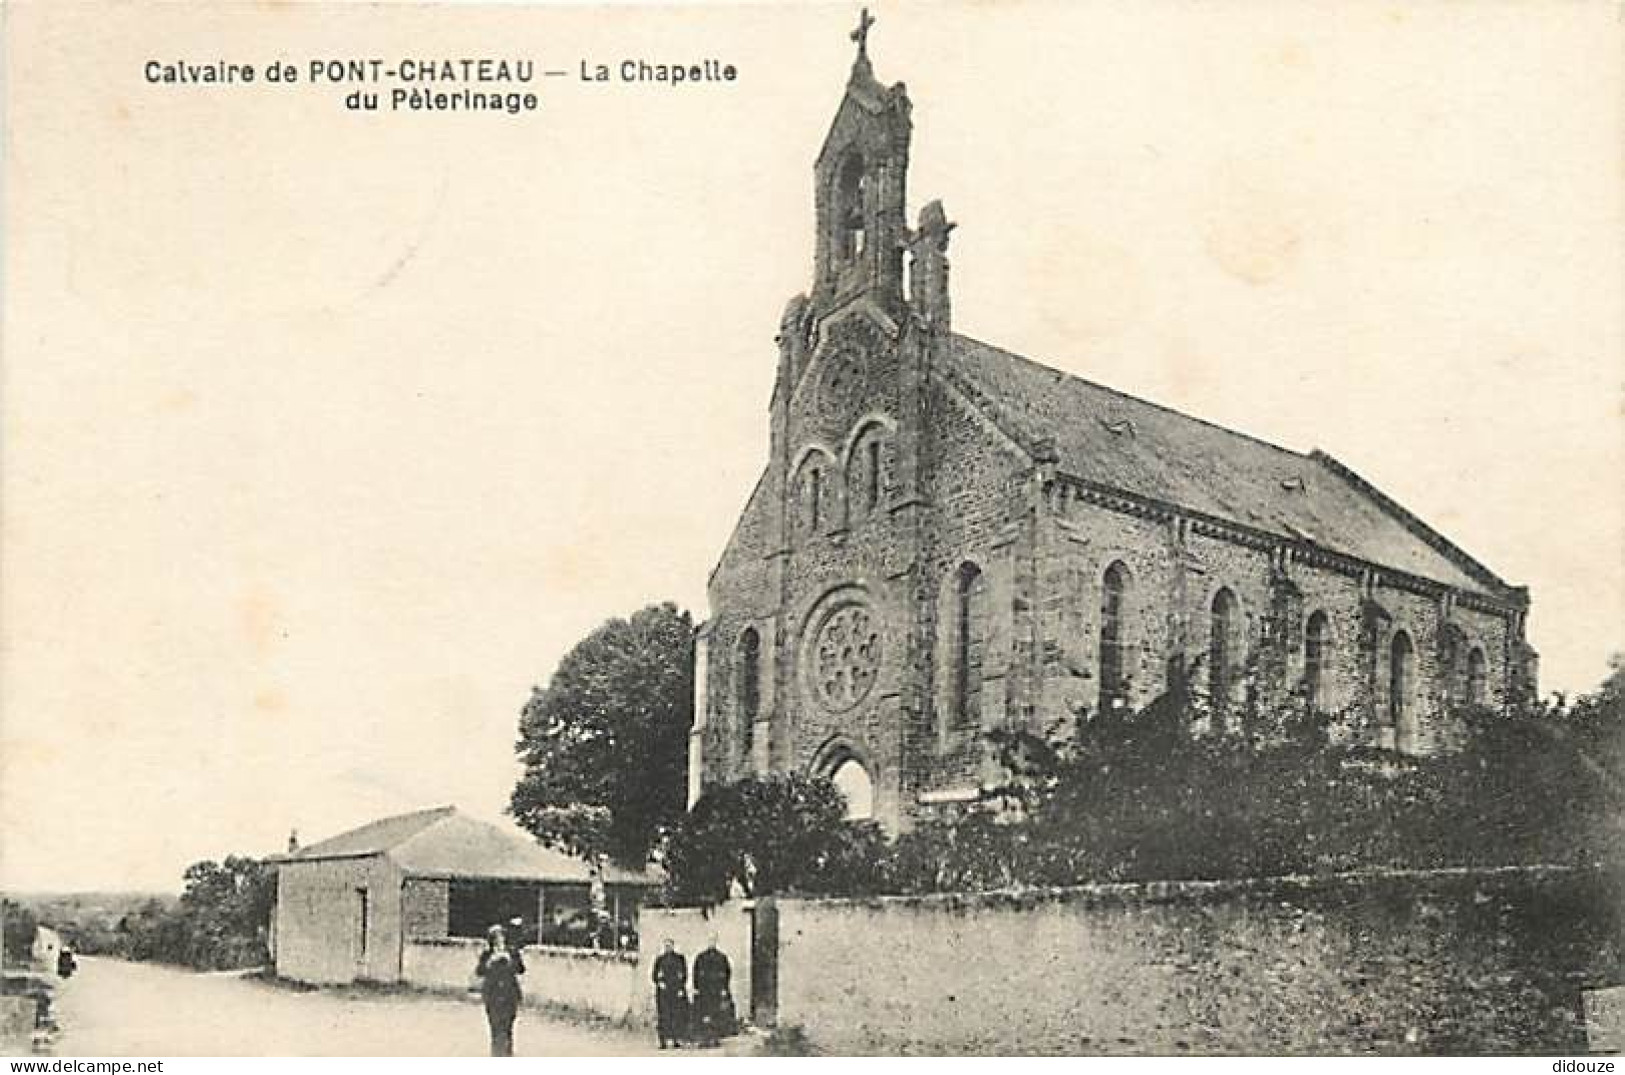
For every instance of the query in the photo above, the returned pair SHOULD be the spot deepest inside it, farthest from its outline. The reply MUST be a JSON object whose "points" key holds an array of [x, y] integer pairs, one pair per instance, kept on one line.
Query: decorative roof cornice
{"points": [[1066, 486]]}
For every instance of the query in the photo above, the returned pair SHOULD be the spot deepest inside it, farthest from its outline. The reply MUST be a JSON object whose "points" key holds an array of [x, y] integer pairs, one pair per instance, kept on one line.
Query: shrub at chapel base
{"points": [[1169, 793], [780, 834], [1107, 807]]}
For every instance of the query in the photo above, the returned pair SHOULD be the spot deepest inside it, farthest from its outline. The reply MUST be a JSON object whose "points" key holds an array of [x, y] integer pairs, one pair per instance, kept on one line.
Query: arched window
{"points": [[871, 484], [1316, 656], [809, 490], [1452, 670], [849, 209], [815, 498], [1113, 649], [1223, 650], [970, 639], [1477, 677], [867, 466], [750, 677], [1401, 682], [853, 781]]}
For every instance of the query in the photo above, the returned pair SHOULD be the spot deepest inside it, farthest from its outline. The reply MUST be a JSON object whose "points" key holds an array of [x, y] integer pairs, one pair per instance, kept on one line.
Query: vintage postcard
{"points": [[810, 529]]}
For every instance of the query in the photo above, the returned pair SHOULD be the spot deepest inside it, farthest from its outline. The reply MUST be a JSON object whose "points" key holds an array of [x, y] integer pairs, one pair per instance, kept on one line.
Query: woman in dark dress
{"points": [[498, 970]]}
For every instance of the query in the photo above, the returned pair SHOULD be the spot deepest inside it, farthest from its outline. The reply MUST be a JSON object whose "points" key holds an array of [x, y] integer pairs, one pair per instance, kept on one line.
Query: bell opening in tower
{"points": [[850, 232]]}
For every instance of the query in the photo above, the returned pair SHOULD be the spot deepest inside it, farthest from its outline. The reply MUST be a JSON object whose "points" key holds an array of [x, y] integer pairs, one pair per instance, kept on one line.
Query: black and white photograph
{"points": [[803, 529]]}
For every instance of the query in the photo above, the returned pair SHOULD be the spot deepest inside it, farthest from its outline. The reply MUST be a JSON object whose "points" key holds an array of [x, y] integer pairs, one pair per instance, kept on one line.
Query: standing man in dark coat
{"points": [[713, 1002], [671, 995], [498, 971]]}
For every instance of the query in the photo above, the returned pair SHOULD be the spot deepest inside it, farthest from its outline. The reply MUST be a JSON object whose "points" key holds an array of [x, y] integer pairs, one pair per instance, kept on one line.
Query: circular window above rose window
{"points": [[841, 384]]}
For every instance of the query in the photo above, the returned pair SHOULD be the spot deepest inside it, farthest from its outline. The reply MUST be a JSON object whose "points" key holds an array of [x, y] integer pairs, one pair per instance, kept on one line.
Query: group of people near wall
{"points": [[710, 1016], [704, 1020]]}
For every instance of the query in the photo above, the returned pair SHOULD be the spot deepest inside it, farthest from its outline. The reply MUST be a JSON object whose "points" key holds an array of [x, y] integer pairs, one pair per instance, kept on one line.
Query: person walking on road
{"points": [[498, 970]]}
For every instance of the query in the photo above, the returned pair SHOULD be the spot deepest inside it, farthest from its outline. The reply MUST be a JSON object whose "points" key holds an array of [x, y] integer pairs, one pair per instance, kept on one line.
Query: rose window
{"points": [[846, 657]]}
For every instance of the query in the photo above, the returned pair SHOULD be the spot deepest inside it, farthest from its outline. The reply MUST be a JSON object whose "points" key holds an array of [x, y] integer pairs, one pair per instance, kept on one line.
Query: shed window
{"points": [[476, 906], [569, 920], [361, 896]]}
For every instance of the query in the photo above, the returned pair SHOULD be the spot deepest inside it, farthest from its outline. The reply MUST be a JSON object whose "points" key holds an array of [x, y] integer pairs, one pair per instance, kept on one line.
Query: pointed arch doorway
{"points": [[842, 765], [854, 782]]}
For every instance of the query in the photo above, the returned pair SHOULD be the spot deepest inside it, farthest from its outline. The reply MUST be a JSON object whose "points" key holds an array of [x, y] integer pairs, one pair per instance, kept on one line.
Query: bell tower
{"points": [[861, 181]]}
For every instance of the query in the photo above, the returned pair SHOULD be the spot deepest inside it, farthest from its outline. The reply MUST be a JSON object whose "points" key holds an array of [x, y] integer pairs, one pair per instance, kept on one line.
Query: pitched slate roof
{"points": [[1124, 443], [445, 843], [375, 837]]}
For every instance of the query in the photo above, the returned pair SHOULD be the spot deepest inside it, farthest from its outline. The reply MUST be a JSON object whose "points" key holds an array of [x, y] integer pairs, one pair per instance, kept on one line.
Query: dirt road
{"points": [[113, 1008]]}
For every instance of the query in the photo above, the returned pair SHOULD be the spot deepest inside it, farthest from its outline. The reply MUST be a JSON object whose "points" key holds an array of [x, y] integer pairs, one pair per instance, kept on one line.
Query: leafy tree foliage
{"points": [[1145, 799], [1595, 724], [17, 924], [228, 906], [605, 744], [220, 922], [154, 932], [778, 834]]}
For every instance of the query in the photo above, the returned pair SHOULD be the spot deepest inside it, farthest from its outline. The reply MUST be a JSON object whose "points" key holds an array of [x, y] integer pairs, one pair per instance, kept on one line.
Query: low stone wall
{"points": [[1437, 962], [444, 963], [16, 1021], [599, 983]]}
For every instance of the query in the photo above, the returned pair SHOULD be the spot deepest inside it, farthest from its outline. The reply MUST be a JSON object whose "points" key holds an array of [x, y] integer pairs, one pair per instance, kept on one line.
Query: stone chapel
{"points": [[949, 538]]}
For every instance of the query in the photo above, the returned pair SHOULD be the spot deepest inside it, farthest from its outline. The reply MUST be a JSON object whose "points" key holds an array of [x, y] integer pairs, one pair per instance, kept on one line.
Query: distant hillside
{"points": [[89, 921]]}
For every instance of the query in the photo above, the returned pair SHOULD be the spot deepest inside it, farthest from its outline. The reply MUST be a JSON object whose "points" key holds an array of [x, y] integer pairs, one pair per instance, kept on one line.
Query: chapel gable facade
{"points": [[949, 539]]}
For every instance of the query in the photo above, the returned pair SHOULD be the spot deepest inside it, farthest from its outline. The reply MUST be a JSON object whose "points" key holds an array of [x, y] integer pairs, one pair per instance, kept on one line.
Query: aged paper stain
{"points": [[261, 622], [1253, 237]]}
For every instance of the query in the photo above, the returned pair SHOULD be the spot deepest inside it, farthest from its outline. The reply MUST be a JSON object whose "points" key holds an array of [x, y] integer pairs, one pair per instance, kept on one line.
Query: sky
{"points": [[326, 434]]}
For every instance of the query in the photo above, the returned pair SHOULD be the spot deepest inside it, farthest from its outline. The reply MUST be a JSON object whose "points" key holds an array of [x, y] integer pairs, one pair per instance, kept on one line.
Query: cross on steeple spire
{"points": [[861, 34]]}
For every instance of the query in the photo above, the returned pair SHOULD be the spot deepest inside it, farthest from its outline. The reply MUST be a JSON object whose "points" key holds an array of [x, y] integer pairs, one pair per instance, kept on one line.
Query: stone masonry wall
{"points": [[425, 908], [1174, 581], [1439, 963], [980, 514], [318, 921]]}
